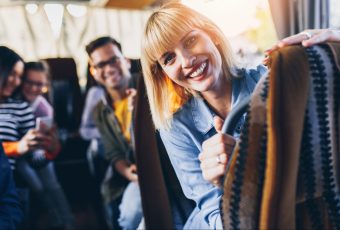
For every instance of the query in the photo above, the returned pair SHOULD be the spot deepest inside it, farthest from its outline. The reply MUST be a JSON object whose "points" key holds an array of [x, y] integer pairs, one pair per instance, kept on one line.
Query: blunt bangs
{"points": [[165, 28]]}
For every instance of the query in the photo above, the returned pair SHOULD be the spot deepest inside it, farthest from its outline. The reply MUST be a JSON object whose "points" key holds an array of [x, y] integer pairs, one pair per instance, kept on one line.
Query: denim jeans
{"points": [[130, 208], [37, 179], [44, 183]]}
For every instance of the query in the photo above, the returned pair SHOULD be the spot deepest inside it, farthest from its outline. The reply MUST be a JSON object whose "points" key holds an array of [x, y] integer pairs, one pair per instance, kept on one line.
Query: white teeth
{"points": [[199, 70]]}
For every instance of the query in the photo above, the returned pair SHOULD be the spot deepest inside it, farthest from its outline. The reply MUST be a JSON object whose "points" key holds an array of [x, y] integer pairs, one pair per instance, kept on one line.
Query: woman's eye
{"points": [[168, 58], [190, 41]]}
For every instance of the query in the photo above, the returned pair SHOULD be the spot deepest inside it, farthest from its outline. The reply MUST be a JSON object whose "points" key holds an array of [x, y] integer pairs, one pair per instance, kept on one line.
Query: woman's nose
{"points": [[188, 60]]}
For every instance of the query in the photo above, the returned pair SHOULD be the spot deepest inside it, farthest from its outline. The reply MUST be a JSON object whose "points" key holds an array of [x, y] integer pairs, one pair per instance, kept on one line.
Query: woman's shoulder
{"points": [[250, 74], [194, 116], [248, 77], [245, 81], [16, 107]]}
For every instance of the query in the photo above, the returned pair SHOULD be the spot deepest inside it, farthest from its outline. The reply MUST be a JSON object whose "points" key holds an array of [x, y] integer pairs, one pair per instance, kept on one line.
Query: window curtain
{"points": [[31, 35], [293, 16]]}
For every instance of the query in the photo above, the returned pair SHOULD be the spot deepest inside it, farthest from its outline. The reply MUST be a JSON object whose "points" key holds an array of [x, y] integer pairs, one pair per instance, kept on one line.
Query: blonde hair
{"points": [[163, 28]]}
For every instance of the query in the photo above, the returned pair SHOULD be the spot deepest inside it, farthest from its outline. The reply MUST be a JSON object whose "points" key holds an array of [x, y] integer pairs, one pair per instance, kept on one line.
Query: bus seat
{"points": [[71, 164], [163, 201], [284, 171], [67, 98]]}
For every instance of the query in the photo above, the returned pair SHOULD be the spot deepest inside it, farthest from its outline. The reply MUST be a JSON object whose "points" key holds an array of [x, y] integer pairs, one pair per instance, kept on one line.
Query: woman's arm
{"points": [[307, 38], [312, 37], [183, 153]]}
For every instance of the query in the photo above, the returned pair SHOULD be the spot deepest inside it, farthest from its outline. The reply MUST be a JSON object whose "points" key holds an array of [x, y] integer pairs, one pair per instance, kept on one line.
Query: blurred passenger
{"points": [[39, 171], [113, 117], [17, 127], [10, 209]]}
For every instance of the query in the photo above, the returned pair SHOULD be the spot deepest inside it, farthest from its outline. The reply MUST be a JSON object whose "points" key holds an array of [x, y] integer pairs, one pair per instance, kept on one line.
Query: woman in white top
{"points": [[38, 170]]}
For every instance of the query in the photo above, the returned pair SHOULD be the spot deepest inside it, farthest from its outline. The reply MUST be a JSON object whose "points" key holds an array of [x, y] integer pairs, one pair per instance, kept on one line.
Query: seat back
{"points": [[284, 172], [67, 99], [164, 204], [71, 164]]}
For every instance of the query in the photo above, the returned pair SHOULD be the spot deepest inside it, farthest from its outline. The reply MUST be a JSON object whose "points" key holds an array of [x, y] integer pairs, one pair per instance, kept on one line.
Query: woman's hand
{"points": [[48, 139], [35, 139], [28, 142], [215, 154], [311, 37], [307, 38]]}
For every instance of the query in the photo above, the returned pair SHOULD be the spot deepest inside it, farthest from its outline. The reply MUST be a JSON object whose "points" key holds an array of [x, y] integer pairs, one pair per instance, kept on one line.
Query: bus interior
{"points": [[57, 32]]}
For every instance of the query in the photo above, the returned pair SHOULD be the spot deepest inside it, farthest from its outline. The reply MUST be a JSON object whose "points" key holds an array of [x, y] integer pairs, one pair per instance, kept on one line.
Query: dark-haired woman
{"points": [[17, 121]]}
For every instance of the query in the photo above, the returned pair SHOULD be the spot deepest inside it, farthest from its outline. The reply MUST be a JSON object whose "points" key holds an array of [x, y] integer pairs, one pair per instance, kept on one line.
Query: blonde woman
{"points": [[192, 84]]}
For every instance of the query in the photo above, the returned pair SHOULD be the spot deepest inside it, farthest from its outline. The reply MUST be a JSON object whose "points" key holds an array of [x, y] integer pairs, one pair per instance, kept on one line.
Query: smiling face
{"points": [[35, 84], [183, 52], [194, 62], [13, 80], [109, 67]]}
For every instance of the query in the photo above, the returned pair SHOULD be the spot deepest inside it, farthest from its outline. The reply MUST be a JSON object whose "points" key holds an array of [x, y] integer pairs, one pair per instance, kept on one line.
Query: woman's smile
{"points": [[199, 71]]}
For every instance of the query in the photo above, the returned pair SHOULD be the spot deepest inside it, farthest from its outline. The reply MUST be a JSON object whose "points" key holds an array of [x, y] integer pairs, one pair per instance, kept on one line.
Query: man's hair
{"points": [[92, 46]]}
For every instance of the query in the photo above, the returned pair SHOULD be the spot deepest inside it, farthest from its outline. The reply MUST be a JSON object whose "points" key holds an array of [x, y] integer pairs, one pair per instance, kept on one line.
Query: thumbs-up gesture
{"points": [[215, 152]]}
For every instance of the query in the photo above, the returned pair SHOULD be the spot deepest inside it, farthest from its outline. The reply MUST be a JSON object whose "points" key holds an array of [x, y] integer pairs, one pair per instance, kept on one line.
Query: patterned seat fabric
{"points": [[284, 172]]}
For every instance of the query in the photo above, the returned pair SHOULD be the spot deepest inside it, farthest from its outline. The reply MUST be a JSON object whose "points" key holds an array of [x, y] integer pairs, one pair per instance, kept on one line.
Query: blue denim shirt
{"points": [[192, 125]]}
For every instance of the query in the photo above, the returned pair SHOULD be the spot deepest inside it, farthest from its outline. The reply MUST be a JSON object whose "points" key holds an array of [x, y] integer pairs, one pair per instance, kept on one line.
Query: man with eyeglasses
{"points": [[113, 117]]}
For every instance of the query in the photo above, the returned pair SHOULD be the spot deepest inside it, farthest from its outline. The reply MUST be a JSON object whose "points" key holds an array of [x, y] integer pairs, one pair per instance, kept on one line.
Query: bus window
{"points": [[254, 31], [334, 14]]}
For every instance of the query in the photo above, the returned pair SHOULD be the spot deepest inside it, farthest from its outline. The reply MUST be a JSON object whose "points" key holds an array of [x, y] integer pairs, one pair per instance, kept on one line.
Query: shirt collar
{"points": [[203, 117]]}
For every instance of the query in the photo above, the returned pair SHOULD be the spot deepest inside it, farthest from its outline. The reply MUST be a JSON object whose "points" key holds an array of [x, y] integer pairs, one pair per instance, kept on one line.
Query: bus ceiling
{"points": [[125, 4]]}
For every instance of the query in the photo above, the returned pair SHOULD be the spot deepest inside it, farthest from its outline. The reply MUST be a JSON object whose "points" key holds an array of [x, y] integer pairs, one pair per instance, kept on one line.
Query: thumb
{"points": [[218, 123], [131, 92]]}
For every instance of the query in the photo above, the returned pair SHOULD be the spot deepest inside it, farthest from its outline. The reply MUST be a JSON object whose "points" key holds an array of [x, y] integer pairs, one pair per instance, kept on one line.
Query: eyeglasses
{"points": [[112, 61], [40, 85]]}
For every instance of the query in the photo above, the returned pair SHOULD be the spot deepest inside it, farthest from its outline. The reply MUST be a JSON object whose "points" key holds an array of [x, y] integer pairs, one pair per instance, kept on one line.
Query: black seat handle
{"points": [[234, 116], [230, 123]]}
